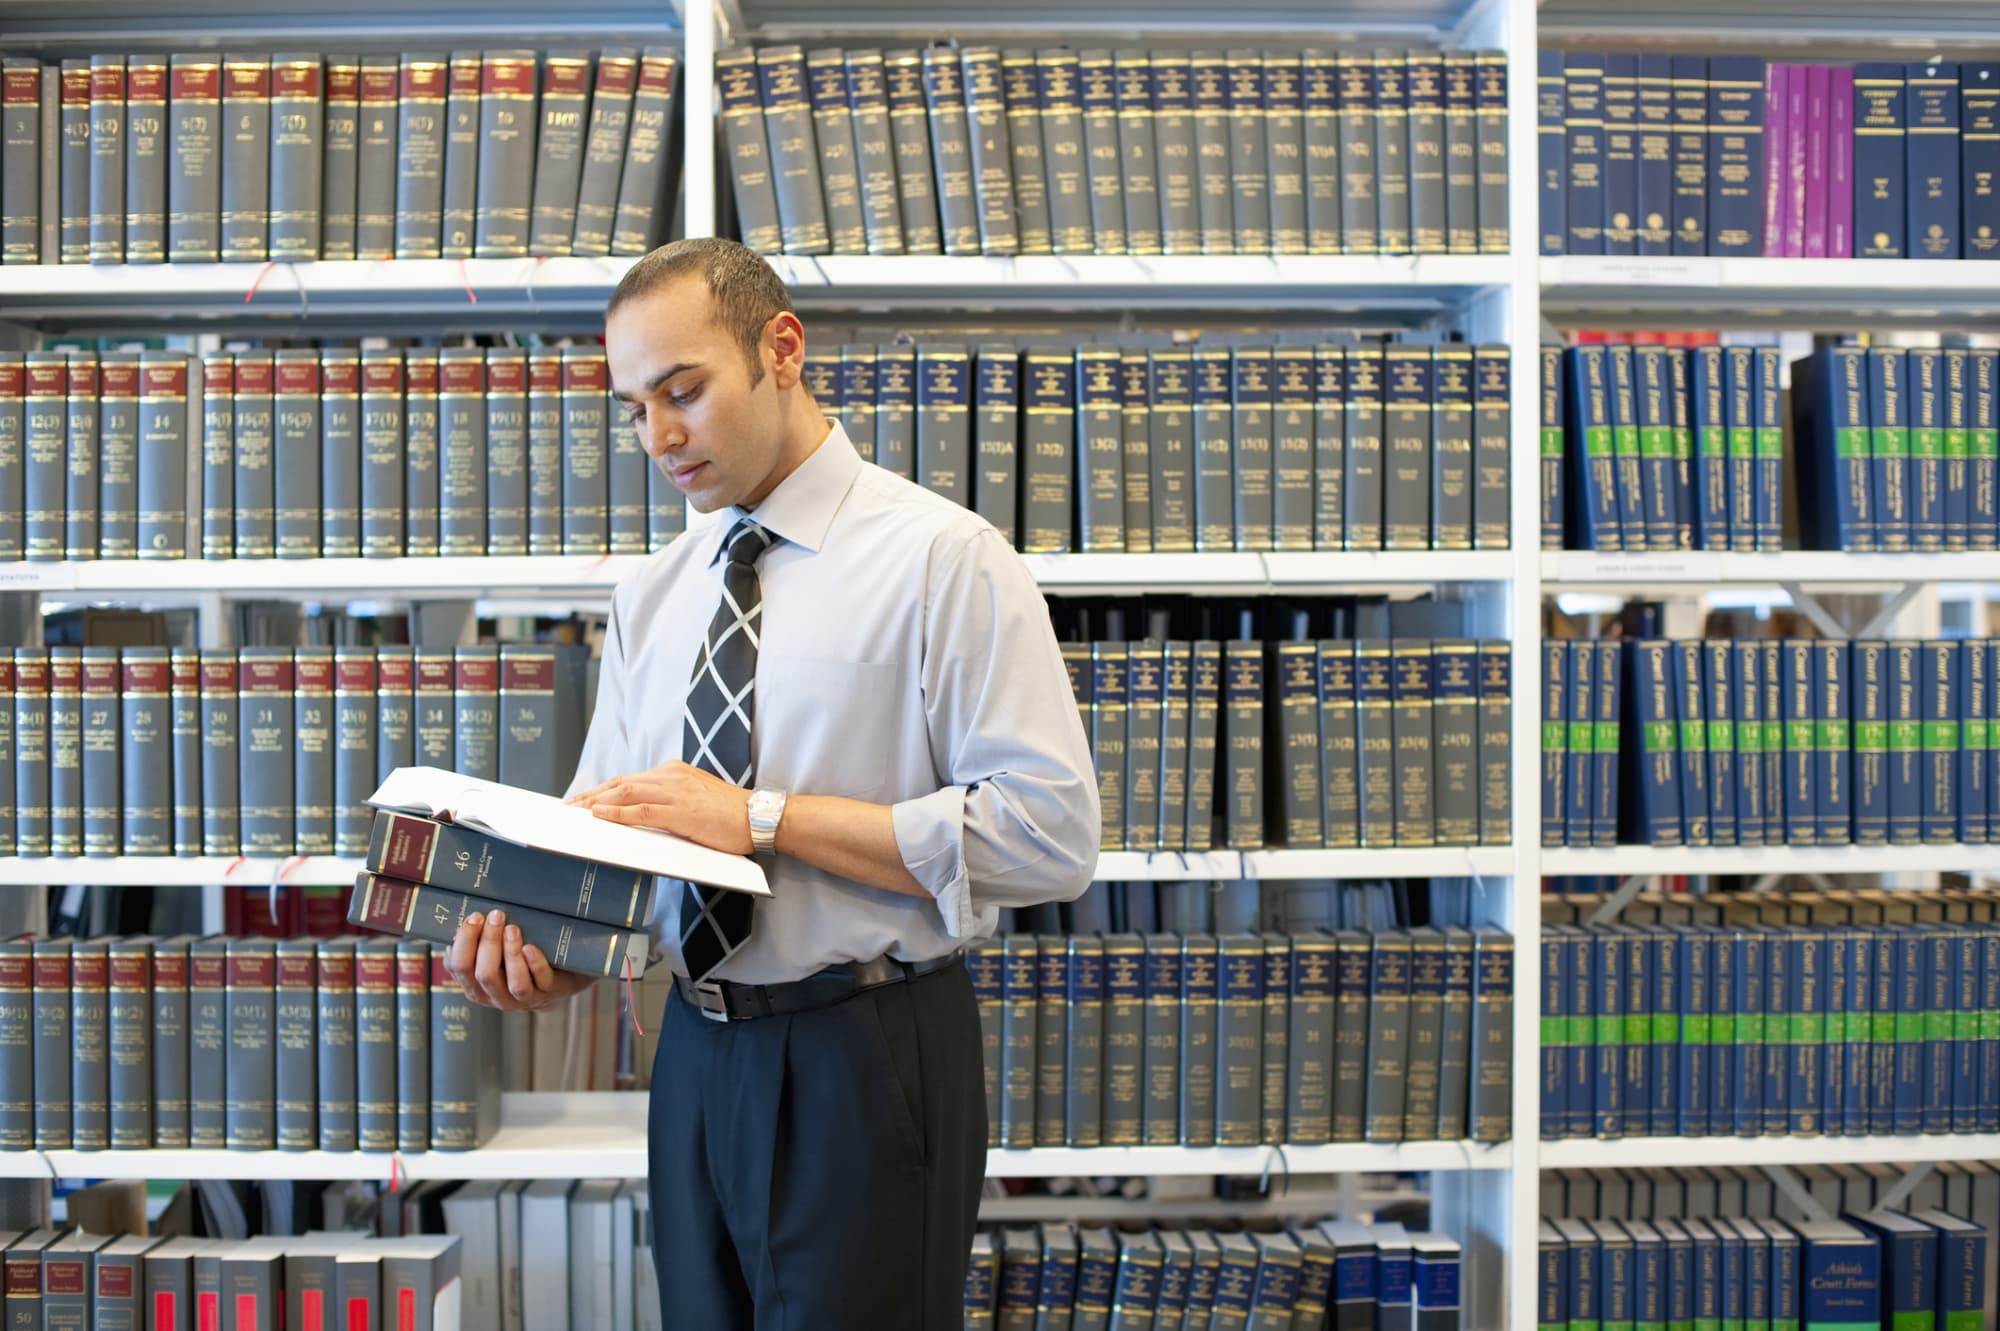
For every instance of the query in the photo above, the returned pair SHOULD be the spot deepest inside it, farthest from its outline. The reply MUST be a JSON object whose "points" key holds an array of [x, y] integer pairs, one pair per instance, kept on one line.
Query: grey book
{"points": [[253, 420], [311, 1282], [298, 122], [1339, 744], [1461, 156], [54, 1046], [1243, 734], [208, 1043], [1329, 431], [464, 1040], [545, 418], [1214, 449], [1124, 1039], [250, 1071], [375, 158], [1276, 1054], [1496, 741], [875, 158], [381, 453], [1249, 160], [90, 1043], [185, 750], [340, 462], [750, 158], [603, 151], [117, 496], [833, 134], [918, 187], [101, 750], [416, 1270], [982, 963], [563, 117], [422, 127], [1239, 1041], [1170, 456], [1293, 448], [1204, 715], [1199, 971], [1490, 118], [221, 816], [1019, 994], [252, 1280], [507, 126], [1392, 152], [1100, 450], [1375, 741], [312, 750], [1055, 1125], [65, 751], [1205, 1277], [476, 712], [1407, 458], [1077, 1044], [413, 1057], [1423, 75], [458, 201], [246, 157], [118, 1282], [339, 194], [1284, 150], [375, 1044], [357, 1272], [1139, 168], [165, 465], [146, 139], [795, 154], [1177, 681], [65, 1282], [585, 498], [17, 1045], [1107, 738], [1492, 446], [1413, 726], [528, 722], [80, 489], [264, 749], [1388, 1037], [461, 458], [355, 728], [1362, 482], [1452, 467], [1455, 740], [1067, 164], [169, 1278], [295, 453], [507, 452], [857, 397], [1208, 72], [1134, 413], [295, 1035], [1097, 92], [1096, 1279], [1161, 1061], [1144, 717], [992, 155], [1492, 1035], [996, 482], [1354, 75], [627, 474], [1308, 1106], [944, 421], [645, 186], [1021, 100], [1297, 802], [13, 439], [107, 159], [435, 708], [145, 767], [73, 149], [896, 409], [420, 452], [1319, 88], [1426, 1035], [395, 710], [168, 1042], [1179, 169], [1455, 1041], [20, 160]]}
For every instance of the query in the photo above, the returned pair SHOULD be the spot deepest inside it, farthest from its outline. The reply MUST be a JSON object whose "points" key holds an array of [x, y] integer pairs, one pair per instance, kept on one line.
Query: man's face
{"points": [[686, 384]]}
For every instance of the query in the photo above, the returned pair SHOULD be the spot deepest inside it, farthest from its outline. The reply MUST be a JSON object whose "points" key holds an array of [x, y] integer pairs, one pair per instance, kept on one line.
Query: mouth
{"points": [[684, 476]]}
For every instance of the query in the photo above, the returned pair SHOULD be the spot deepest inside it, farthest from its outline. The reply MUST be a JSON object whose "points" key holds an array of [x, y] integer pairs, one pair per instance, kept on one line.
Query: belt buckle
{"points": [[708, 995]]}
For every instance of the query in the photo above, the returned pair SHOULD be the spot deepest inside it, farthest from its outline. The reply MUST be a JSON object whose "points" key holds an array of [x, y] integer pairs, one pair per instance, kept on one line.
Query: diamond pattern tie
{"points": [[721, 704]]}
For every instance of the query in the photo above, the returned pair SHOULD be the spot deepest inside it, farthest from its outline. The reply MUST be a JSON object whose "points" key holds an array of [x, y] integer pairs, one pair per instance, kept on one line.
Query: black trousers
{"points": [[819, 1171]]}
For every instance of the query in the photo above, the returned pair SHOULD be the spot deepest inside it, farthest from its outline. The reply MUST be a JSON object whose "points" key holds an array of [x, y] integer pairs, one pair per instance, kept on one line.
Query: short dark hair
{"points": [[747, 295]]}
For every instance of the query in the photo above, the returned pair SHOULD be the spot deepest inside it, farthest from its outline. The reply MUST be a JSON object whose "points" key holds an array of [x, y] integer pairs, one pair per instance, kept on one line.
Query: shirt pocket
{"points": [[828, 725]]}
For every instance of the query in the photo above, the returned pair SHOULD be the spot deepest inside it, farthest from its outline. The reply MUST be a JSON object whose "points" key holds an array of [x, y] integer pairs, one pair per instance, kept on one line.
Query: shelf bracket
{"points": [[1808, 605], [1615, 904], [1906, 1186], [1887, 614], [1795, 1192]]}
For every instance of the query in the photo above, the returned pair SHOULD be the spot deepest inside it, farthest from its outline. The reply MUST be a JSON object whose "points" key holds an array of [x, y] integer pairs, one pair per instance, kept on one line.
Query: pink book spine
{"points": [[1840, 165], [1818, 150], [1795, 163], [1775, 81]]}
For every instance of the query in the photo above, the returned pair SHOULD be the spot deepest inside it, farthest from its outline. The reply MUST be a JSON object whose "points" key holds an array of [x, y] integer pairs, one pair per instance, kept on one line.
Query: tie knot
{"points": [[747, 542]]}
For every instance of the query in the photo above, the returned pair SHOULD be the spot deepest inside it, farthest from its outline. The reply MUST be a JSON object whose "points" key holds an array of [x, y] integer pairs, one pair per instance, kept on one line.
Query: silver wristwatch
{"points": [[767, 810]]}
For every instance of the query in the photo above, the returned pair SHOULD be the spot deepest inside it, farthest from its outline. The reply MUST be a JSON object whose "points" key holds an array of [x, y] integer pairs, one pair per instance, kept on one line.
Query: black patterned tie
{"points": [[721, 705]]}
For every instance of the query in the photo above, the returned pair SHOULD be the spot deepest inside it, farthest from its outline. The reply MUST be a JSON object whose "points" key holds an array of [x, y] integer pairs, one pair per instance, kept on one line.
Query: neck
{"points": [[800, 443]]}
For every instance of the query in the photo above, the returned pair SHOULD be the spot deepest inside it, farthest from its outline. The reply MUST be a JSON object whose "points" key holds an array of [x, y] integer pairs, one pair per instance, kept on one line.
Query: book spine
{"points": [[876, 159], [1177, 677], [161, 529], [1719, 704], [45, 437], [944, 425], [833, 128], [1107, 737], [144, 167], [646, 186], [1579, 719], [266, 717], [1284, 147], [603, 153], [475, 713], [458, 194], [221, 826], [544, 445], [1957, 454], [375, 1046], [246, 157], [13, 438], [508, 123], [586, 517], [52, 1045], [1492, 1036], [74, 157], [243, 450], [1124, 1040], [150, 725], [1276, 1019], [1292, 434], [1629, 465], [90, 1045], [1376, 743], [1412, 724], [981, 125], [413, 1066], [1496, 754], [1243, 731], [1583, 186], [1047, 437], [1455, 472], [1388, 1037], [355, 727], [1455, 741], [331, 1039], [340, 457], [788, 127], [250, 1070], [506, 436], [434, 708], [1407, 457], [996, 480], [1939, 701], [101, 751], [1173, 144], [160, 974], [80, 470], [9, 773], [1553, 448], [1426, 1025], [1365, 482], [462, 464], [1462, 163], [1932, 177], [1214, 447], [116, 501], [420, 453], [1735, 155], [297, 124], [294, 1037], [1069, 1091], [982, 964], [1296, 737], [423, 86], [1162, 1067], [21, 161], [1492, 445], [1974, 760], [528, 723], [295, 454], [1832, 740], [1252, 455], [395, 710], [180, 771], [1656, 448], [458, 1033], [106, 111], [1019, 1040], [909, 132], [312, 737], [379, 443], [1203, 739], [1239, 1041], [1215, 207], [1620, 170], [1098, 98], [1144, 717], [65, 751], [1329, 464]]}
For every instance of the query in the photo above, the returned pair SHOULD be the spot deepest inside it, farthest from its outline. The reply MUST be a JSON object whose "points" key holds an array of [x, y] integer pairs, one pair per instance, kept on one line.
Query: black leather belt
{"points": [[726, 1000]]}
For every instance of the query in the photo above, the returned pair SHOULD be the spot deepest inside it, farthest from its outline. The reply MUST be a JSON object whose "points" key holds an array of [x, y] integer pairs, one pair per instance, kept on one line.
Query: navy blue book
{"points": [[1733, 1280], [1582, 1295], [1690, 103], [1801, 808], [1975, 688], [1679, 1273], [1992, 758], [1739, 400], [1621, 154], [1720, 705], [1857, 1070], [1961, 1269], [1778, 998], [1926, 395], [1711, 449], [1693, 718], [1840, 1275], [1735, 155], [1607, 1053], [1724, 958], [1807, 998], [1830, 405], [1636, 1070], [1931, 176], [1885, 1003], [1770, 516], [1889, 447], [1551, 1279], [1746, 681], [1693, 949], [1939, 699], [1983, 445], [1551, 136], [1614, 1273], [1979, 155], [1583, 154], [1592, 498], [1555, 740], [1906, 744], [1747, 1068], [1871, 689], [1604, 823], [1652, 392], [1555, 1033], [1663, 1013], [1909, 1266], [1965, 988], [1706, 1259], [1940, 954], [1580, 1055], [1681, 414], [1880, 127], [1957, 442], [1655, 151], [1832, 762], [1581, 716], [1552, 443], [1911, 991], [1771, 669], [1756, 1273], [1833, 1030], [1629, 470], [1652, 760]]}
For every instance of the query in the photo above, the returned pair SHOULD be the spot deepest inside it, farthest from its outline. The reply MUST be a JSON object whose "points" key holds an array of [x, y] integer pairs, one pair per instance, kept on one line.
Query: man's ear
{"points": [[785, 345]]}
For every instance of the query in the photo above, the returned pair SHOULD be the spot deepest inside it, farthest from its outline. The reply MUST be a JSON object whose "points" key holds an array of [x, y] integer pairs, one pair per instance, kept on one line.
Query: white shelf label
{"points": [[25, 577], [1649, 272], [1669, 568]]}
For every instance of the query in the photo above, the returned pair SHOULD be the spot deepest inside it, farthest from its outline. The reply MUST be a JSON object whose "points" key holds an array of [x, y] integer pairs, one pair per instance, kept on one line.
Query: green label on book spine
{"points": [[1770, 443], [1694, 737], [1940, 736], [1696, 1029]]}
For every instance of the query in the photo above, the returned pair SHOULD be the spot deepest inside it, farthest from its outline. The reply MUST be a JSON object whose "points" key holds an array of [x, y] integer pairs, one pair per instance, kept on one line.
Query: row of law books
{"points": [[1777, 741], [1246, 1039], [1058, 151], [265, 750], [199, 158], [1337, 1273], [1849, 1016], [1730, 156]]}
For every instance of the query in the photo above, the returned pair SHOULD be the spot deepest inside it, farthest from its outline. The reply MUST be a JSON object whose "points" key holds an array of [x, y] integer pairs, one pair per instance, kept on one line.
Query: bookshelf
{"points": [[1811, 568], [1770, 293], [1667, 1152]]}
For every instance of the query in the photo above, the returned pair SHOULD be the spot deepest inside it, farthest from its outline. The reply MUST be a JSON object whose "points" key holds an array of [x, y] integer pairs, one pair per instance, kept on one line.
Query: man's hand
{"points": [[675, 797], [494, 969]]}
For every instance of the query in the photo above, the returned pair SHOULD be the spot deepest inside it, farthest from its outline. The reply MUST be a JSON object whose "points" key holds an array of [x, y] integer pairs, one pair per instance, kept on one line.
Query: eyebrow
{"points": [[658, 379]]}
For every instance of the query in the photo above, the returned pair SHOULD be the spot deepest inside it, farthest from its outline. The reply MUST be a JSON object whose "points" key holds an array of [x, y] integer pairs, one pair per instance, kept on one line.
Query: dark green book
{"points": [[1051, 998], [1161, 1117], [1492, 1035], [1199, 976], [1135, 412], [1239, 1043], [1177, 682], [1144, 718], [1214, 450], [1107, 737], [1124, 1039], [1100, 450], [1362, 484], [1252, 408], [1019, 993], [1294, 447], [1389, 1002], [1276, 1035], [1243, 733], [1204, 711], [1426, 1034], [1376, 740], [1455, 1048], [1352, 982], [1295, 736], [982, 963], [1079, 1041], [1454, 478], [1339, 744], [1310, 1041], [1412, 724], [1407, 459], [1455, 740]]}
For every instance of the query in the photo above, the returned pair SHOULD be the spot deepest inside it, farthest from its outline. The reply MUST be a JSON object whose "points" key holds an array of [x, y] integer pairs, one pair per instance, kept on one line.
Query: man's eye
{"points": [[635, 413], [682, 396]]}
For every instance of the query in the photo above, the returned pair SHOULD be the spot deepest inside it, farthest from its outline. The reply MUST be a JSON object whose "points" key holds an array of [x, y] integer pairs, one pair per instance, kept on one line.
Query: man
{"points": [[857, 680]]}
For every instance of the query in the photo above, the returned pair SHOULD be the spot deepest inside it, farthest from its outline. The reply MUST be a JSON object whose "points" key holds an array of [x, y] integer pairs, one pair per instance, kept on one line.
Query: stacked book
{"points": [[1242, 744], [294, 157], [1849, 1014], [1336, 1273], [1746, 742], [1058, 151], [1729, 156], [1246, 1039]]}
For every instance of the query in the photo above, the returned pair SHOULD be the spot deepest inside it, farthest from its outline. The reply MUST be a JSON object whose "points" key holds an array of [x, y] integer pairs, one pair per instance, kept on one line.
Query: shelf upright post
{"points": [[698, 210]]}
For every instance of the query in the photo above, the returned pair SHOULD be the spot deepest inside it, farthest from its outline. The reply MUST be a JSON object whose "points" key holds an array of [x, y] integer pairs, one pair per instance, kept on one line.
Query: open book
{"points": [[544, 822]]}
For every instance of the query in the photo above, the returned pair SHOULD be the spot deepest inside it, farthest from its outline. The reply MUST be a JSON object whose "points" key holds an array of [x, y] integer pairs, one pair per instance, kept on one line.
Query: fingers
{"points": [[635, 815], [461, 952], [520, 982], [488, 968], [539, 970]]}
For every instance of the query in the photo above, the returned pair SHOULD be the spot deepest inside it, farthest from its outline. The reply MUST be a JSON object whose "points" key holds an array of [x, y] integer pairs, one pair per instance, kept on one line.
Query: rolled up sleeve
{"points": [[1015, 822]]}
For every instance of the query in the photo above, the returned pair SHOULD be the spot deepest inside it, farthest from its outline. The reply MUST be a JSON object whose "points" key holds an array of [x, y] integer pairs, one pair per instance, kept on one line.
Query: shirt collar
{"points": [[801, 508]]}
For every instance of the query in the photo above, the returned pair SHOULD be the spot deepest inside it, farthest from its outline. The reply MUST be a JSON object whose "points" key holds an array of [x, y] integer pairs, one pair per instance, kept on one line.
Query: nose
{"points": [[662, 435]]}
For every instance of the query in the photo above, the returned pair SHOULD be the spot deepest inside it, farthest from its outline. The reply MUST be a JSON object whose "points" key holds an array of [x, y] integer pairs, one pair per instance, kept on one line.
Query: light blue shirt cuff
{"points": [[930, 834]]}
